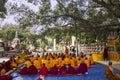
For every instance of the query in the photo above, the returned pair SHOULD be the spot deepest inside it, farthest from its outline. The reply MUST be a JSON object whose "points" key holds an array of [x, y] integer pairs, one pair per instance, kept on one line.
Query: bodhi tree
{"points": [[83, 15]]}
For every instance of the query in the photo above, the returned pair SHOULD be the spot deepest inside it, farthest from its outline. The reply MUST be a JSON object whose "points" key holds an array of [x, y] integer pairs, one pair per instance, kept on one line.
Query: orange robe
{"points": [[91, 60], [36, 64], [28, 63], [87, 63], [109, 74]]}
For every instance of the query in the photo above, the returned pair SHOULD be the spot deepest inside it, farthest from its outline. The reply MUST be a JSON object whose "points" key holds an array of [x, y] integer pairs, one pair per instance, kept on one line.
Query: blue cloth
{"points": [[96, 73]]}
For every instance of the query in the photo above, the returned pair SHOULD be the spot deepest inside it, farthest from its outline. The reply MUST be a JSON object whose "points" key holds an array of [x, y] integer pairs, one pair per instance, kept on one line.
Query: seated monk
{"points": [[41, 77], [63, 69], [32, 69], [2, 72], [109, 73], [5, 77], [28, 63], [36, 64], [82, 68], [91, 59], [8, 65], [24, 70], [43, 70], [71, 70], [54, 70]]}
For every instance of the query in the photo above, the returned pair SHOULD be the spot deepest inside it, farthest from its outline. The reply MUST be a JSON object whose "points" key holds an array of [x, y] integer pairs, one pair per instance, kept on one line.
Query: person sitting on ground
{"points": [[109, 73], [71, 70], [32, 70], [63, 69], [24, 70], [43, 70], [5, 77], [83, 68], [54, 70], [91, 59]]}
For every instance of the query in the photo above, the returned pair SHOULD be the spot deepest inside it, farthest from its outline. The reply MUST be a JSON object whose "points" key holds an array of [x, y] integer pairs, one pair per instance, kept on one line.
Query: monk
{"points": [[32, 70], [5, 77], [109, 73], [87, 62], [43, 70], [28, 63], [36, 64], [2, 72], [24, 70], [91, 59], [41, 77], [82, 68], [54, 70], [8, 65], [71, 70], [63, 69], [105, 53], [66, 50]]}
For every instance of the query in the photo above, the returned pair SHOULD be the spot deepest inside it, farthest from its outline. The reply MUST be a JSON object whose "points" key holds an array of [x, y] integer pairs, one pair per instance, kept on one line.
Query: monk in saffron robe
{"points": [[2, 72], [43, 70], [32, 70], [5, 77], [87, 62], [28, 63], [54, 70], [91, 59], [24, 70], [36, 64], [82, 68], [110, 74], [63, 69], [71, 70], [8, 65]]}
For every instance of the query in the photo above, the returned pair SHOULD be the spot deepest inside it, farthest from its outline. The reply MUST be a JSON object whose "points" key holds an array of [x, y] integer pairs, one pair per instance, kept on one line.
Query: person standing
{"points": [[105, 53]]}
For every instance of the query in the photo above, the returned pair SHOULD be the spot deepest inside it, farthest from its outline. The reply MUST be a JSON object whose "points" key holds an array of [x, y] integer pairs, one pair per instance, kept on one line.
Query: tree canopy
{"points": [[95, 17], [3, 10]]}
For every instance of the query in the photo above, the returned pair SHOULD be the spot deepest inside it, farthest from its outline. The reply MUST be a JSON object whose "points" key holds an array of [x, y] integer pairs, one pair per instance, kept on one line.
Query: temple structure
{"points": [[15, 41]]}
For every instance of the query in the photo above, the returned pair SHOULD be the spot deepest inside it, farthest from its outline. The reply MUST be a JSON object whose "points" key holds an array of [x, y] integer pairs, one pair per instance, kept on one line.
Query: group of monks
{"points": [[49, 63], [13, 62], [62, 63]]}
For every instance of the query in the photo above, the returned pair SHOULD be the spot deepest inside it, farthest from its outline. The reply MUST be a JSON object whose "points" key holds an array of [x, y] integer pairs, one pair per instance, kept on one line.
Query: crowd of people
{"points": [[52, 63]]}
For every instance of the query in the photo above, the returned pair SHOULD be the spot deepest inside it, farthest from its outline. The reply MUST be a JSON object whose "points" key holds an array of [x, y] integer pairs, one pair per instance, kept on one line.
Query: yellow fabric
{"points": [[23, 54], [2, 72], [13, 64], [36, 64], [28, 63], [67, 61], [72, 63], [63, 62], [87, 62], [59, 62], [78, 62], [91, 60], [17, 60], [32, 59], [49, 64], [45, 62]]}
